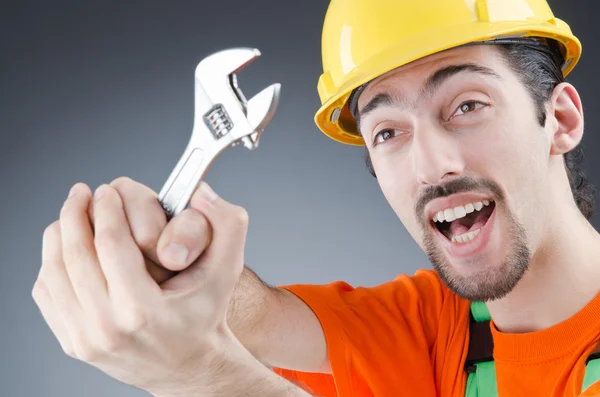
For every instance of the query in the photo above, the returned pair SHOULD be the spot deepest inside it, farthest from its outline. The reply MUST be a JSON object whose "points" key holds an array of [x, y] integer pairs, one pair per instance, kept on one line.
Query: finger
{"points": [[222, 262], [146, 217], [120, 258], [56, 279], [79, 252], [184, 238], [146, 221], [43, 300]]}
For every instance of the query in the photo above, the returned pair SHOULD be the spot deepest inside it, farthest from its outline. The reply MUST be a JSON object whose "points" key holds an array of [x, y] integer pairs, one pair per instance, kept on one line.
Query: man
{"points": [[470, 129]]}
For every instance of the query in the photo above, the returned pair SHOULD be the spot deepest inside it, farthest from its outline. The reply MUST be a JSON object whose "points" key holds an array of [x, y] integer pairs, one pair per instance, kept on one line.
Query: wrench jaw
{"points": [[220, 101], [245, 119], [222, 64], [216, 89], [238, 92], [261, 109]]}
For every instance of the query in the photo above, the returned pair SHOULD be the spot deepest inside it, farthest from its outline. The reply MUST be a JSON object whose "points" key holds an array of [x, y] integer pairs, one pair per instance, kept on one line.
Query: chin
{"points": [[490, 267]]}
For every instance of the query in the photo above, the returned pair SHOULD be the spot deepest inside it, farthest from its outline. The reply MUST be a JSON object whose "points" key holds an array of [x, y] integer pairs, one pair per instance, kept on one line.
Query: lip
{"points": [[473, 247], [453, 201]]}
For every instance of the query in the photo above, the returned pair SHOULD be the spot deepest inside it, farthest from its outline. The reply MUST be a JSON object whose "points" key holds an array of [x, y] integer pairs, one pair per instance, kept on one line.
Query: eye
{"points": [[468, 107], [384, 135]]}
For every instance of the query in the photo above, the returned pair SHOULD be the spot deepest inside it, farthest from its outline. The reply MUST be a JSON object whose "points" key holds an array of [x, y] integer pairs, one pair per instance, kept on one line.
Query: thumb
{"points": [[217, 271], [183, 240], [222, 263]]}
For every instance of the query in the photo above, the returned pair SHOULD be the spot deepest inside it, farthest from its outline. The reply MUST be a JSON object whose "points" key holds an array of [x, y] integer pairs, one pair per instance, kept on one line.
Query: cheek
{"points": [[497, 152], [398, 187], [393, 178], [490, 156], [512, 156], [509, 149]]}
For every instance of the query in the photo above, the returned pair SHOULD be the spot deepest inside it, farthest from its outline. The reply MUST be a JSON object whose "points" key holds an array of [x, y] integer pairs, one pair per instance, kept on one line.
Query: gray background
{"points": [[91, 91]]}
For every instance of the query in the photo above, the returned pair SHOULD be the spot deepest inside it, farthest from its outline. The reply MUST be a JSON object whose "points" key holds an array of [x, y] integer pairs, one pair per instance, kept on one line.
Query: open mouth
{"points": [[464, 223]]}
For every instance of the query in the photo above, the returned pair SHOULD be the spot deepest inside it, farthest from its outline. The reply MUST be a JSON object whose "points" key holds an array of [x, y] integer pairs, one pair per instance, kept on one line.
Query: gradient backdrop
{"points": [[91, 91]]}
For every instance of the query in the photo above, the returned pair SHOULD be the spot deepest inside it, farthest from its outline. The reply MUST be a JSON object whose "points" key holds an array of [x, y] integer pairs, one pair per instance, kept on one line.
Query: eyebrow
{"points": [[432, 84]]}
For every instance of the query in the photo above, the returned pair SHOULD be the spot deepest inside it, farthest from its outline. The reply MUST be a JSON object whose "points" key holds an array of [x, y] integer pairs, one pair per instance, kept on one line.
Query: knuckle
{"points": [[108, 342], [192, 221], [67, 209], [86, 353], [146, 237], [121, 182], [202, 227], [106, 338], [75, 254], [111, 193], [51, 232], [132, 318], [81, 348], [68, 349], [108, 238], [51, 241], [36, 291], [240, 217], [200, 220]]}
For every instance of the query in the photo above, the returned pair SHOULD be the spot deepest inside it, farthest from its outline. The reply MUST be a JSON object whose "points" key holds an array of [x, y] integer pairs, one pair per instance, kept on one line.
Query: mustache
{"points": [[460, 185]]}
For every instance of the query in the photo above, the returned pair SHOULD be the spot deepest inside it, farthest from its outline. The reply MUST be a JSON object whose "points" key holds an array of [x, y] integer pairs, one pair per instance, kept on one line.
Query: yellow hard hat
{"points": [[363, 39]]}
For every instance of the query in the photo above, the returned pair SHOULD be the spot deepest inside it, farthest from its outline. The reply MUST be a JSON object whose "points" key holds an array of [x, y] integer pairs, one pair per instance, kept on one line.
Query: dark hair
{"points": [[539, 69]]}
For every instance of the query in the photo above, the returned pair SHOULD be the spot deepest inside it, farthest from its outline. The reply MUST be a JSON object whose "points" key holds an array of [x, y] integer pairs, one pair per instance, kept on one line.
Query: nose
{"points": [[436, 155]]}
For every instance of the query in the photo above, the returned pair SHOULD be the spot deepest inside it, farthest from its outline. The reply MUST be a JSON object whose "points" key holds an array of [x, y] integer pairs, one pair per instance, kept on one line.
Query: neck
{"points": [[563, 276]]}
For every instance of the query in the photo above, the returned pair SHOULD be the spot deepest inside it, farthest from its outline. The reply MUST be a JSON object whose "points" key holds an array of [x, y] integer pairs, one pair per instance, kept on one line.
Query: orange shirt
{"points": [[410, 337]]}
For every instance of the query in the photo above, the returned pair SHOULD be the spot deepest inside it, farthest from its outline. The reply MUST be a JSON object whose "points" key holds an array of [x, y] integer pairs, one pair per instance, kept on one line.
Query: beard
{"points": [[490, 282]]}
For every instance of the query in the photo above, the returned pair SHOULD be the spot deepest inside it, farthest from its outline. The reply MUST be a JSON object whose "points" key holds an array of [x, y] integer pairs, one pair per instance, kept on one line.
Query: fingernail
{"points": [[100, 192], [73, 190], [207, 192], [177, 253]]}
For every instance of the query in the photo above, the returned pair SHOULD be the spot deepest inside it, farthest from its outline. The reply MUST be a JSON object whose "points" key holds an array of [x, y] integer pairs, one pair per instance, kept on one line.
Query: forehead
{"points": [[412, 75]]}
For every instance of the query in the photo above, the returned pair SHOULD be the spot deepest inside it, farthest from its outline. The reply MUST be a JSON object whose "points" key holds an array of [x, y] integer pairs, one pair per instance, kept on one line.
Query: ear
{"points": [[565, 119]]}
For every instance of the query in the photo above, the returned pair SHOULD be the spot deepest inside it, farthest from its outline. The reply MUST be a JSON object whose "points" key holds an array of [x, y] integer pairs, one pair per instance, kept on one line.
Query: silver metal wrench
{"points": [[223, 118]]}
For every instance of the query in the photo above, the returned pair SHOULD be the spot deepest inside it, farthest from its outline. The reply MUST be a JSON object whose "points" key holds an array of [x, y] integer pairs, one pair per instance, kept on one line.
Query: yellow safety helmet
{"points": [[363, 39]]}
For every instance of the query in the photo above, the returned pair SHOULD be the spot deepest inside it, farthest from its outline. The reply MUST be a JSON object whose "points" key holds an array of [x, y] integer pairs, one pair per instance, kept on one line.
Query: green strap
{"points": [[471, 390], [482, 382], [485, 380], [592, 373], [480, 312]]}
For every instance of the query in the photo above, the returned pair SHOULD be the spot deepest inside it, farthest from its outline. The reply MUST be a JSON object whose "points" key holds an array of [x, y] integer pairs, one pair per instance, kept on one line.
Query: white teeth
{"points": [[440, 216], [465, 238], [459, 212], [449, 215]]}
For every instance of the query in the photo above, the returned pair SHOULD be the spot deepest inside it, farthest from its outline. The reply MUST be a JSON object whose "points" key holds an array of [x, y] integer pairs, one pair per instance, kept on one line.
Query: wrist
{"points": [[242, 374], [255, 381], [233, 371]]}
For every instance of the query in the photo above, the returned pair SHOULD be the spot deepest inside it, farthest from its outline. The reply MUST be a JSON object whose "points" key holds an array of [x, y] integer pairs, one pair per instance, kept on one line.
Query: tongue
{"points": [[464, 225]]}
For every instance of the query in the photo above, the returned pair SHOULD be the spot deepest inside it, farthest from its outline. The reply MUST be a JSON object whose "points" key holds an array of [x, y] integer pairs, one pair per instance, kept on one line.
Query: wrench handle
{"points": [[183, 181]]}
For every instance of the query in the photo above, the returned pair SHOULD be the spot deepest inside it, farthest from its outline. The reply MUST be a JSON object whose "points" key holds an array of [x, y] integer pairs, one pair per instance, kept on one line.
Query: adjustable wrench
{"points": [[223, 118]]}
